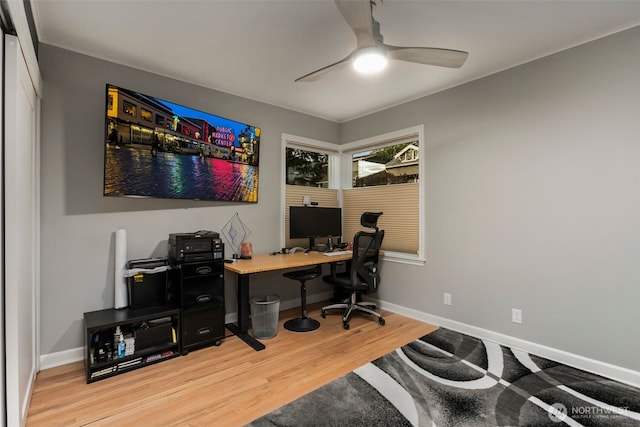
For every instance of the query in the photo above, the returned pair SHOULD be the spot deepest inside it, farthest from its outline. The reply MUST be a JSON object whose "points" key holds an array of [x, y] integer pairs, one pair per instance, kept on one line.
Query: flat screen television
{"points": [[155, 148], [312, 222]]}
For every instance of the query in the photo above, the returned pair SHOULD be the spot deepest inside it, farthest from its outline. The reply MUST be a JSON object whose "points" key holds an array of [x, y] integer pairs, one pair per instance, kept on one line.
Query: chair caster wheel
{"points": [[217, 343], [323, 314], [345, 325], [381, 321]]}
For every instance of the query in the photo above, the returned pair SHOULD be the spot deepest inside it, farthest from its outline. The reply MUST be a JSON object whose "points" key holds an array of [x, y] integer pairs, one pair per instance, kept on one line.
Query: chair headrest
{"points": [[370, 219]]}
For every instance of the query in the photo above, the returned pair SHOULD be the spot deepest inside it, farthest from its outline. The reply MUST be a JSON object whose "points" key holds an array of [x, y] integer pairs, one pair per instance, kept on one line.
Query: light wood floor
{"points": [[229, 385]]}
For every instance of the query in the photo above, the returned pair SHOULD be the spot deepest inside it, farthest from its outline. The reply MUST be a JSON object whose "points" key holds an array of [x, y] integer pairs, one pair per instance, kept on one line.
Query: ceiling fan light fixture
{"points": [[370, 60]]}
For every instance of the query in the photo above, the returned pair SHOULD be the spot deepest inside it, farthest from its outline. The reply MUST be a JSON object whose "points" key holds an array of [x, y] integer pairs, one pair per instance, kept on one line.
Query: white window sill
{"points": [[403, 258]]}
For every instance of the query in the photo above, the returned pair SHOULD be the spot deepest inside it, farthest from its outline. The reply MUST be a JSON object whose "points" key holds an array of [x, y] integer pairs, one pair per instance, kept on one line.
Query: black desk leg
{"points": [[242, 328]]}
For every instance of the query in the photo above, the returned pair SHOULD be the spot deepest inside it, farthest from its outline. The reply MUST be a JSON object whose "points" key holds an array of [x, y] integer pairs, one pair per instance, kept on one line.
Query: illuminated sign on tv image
{"points": [[155, 148]]}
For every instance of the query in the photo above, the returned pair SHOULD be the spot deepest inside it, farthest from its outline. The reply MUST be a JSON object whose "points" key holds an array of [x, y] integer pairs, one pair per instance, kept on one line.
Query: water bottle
{"points": [[118, 343], [121, 347]]}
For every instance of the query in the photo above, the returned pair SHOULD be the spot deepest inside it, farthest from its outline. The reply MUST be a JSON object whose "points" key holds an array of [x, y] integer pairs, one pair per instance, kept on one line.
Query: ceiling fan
{"points": [[359, 16]]}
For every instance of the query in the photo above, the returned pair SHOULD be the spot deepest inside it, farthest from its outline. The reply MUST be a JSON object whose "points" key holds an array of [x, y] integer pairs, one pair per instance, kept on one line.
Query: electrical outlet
{"points": [[447, 299], [516, 315]]}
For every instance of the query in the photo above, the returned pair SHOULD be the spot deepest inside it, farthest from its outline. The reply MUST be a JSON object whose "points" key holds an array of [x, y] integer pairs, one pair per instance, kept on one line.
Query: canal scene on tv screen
{"points": [[155, 148]]}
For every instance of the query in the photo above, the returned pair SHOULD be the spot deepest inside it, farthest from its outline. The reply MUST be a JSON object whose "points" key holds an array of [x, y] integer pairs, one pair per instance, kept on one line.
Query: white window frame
{"points": [[392, 138], [328, 148]]}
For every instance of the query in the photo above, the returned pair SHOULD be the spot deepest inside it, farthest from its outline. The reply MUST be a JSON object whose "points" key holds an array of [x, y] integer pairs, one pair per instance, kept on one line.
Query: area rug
{"points": [[450, 379]]}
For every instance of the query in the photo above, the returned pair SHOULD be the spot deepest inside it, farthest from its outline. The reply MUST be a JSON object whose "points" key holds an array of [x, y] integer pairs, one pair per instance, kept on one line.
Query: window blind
{"points": [[399, 203], [326, 198]]}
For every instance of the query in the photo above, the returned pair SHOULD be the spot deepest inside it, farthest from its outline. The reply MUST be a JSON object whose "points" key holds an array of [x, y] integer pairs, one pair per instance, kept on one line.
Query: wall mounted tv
{"points": [[155, 148]]}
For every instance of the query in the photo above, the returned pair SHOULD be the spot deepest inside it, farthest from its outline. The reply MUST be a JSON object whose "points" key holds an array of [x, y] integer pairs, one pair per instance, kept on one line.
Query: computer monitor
{"points": [[310, 222]]}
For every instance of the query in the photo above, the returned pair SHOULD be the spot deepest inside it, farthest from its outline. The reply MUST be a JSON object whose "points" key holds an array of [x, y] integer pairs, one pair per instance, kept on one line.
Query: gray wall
{"points": [[532, 195], [532, 201], [78, 223]]}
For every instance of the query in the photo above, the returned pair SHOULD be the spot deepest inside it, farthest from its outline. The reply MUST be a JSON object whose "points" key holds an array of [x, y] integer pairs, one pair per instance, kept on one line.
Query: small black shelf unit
{"points": [[157, 338]]}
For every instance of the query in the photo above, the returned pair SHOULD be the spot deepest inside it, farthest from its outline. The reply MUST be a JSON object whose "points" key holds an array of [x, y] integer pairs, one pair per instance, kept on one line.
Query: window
{"points": [[386, 177], [378, 174], [129, 108], [307, 168], [311, 171], [146, 114], [393, 164]]}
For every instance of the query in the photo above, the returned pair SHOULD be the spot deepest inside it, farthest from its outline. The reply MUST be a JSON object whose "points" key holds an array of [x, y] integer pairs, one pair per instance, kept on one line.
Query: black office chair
{"points": [[303, 323], [363, 274]]}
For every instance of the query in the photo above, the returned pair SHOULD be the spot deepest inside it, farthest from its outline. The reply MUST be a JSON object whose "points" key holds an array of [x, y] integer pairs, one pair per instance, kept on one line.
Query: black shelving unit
{"points": [[157, 338]]}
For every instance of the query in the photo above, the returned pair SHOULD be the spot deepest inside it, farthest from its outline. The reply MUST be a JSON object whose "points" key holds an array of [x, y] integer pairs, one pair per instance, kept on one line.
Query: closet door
{"points": [[20, 150], [3, 409]]}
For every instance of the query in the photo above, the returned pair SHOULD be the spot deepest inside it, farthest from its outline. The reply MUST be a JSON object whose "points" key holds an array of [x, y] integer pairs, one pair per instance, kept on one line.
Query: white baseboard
{"points": [[60, 358], [52, 360], [604, 369], [617, 373]]}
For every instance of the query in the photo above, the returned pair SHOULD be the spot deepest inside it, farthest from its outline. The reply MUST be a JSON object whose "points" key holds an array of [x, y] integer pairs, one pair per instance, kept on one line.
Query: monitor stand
{"points": [[313, 247], [312, 244]]}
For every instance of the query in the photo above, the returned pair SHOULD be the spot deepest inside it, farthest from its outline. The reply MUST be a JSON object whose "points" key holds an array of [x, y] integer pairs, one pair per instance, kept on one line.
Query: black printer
{"points": [[201, 245]]}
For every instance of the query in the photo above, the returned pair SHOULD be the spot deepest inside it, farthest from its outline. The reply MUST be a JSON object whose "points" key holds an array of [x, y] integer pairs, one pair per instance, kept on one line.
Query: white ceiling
{"points": [[257, 48]]}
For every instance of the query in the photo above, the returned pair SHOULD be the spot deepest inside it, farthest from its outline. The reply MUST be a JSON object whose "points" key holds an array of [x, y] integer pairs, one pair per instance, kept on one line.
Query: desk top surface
{"points": [[266, 262]]}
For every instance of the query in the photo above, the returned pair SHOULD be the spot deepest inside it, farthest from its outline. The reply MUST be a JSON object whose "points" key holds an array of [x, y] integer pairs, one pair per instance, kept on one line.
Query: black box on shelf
{"points": [[154, 335], [148, 286]]}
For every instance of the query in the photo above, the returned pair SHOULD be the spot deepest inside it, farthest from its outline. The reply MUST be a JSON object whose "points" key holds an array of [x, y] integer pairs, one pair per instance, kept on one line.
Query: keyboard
{"points": [[336, 253]]}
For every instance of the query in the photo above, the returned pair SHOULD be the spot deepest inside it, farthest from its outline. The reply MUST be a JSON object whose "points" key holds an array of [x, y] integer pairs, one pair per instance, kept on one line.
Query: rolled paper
{"points": [[121, 299]]}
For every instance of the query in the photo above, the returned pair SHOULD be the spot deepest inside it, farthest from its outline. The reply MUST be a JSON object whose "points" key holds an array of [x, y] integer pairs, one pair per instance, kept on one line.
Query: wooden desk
{"points": [[243, 268]]}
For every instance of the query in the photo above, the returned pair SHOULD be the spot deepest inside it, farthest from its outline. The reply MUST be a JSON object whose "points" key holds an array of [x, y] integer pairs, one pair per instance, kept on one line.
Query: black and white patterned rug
{"points": [[451, 379]]}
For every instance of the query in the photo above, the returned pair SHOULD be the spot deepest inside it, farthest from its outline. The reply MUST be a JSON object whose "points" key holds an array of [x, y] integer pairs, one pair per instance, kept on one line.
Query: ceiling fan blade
{"points": [[318, 74], [428, 55], [357, 13]]}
